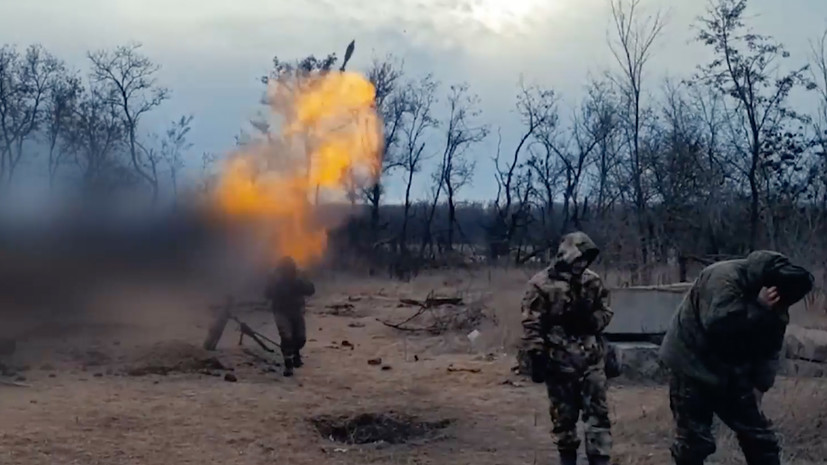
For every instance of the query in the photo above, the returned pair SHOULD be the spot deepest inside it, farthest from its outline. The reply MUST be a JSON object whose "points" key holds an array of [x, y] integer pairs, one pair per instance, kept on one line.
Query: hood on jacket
{"points": [[575, 247], [769, 268], [286, 268]]}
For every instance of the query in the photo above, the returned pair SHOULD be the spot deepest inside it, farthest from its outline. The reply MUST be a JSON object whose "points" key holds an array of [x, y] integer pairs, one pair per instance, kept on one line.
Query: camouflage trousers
{"points": [[572, 395], [292, 332], [693, 406]]}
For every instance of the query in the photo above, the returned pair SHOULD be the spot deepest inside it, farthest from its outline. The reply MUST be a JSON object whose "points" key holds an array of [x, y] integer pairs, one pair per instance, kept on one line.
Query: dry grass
{"points": [[80, 410]]}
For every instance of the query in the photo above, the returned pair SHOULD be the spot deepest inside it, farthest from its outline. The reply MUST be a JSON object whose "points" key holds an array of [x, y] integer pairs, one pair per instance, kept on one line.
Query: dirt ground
{"points": [[135, 387]]}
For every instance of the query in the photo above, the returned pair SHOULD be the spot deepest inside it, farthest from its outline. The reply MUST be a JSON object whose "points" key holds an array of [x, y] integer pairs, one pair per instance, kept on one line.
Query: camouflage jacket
{"points": [[721, 334], [287, 293], [565, 313]]}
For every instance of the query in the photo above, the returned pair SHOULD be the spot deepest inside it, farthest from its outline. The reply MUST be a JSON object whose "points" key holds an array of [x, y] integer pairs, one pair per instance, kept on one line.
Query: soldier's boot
{"points": [[568, 457], [288, 366], [599, 460], [297, 360]]}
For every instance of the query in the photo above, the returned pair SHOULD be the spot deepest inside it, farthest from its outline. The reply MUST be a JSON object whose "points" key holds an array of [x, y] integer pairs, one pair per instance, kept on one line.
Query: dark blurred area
{"points": [[51, 263]]}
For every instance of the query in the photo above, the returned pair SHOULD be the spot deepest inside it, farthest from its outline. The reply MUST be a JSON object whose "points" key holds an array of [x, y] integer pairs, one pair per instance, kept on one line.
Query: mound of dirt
{"points": [[369, 428], [174, 357]]}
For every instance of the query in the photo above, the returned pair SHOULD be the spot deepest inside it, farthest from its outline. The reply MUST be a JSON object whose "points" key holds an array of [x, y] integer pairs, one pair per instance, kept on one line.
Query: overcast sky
{"points": [[213, 51]]}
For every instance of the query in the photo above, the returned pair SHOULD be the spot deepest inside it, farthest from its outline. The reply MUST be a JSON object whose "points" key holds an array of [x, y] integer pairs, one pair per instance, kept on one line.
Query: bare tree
{"points": [[173, 146], [537, 109], [818, 58], [591, 126], [64, 92], [385, 76], [632, 48], [746, 72], [25, 81], [606, 180], [96, 136], [129, 79], [462, 130], [208, 159], [419, 98], [681, 181]]}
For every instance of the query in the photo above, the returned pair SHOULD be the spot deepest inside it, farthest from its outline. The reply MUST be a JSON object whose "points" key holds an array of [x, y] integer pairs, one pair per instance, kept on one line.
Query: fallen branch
{"points": [[431, 302], [340, 309], [5, 382], [399, 325], [453, 369], [442, 320], [345, 306]]}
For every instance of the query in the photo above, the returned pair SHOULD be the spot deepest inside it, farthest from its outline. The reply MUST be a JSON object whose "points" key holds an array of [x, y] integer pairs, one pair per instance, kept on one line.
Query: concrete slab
{"points": [[639, 361], [802, 369], [644, 309], [806, 344]]}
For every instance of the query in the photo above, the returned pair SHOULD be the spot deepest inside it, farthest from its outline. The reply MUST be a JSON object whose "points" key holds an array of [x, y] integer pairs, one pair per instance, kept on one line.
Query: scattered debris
{"points": [[5, 382], [344, 306], [370, 428], [442, 319], [356, 324], [453, 369], [432, 301], [340, 309], [509, 382], [347, 344], [149, 370], [375, 361]]}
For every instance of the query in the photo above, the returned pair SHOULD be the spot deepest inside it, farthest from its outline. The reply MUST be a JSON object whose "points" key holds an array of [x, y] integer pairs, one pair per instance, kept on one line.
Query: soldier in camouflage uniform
{"points": [[287, 291], [723, 350], [564, 311]]}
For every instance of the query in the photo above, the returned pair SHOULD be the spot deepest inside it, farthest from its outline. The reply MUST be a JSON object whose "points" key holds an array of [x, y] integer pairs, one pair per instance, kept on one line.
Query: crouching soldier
{"points": [[287, 291], [723, 349], [564, 312]]}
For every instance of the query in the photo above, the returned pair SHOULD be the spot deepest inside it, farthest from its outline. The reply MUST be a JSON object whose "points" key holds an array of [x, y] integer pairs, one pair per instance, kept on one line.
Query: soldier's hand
{"points": [[539, 366], [769, 296]]}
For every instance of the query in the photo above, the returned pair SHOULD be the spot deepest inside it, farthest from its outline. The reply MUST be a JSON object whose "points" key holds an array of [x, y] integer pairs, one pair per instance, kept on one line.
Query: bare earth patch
{"points": [[432, 399], [372, 428]]}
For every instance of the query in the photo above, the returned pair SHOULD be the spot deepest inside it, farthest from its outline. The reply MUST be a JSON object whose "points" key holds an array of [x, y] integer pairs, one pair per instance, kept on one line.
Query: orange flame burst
{"points": [[330, 141]]}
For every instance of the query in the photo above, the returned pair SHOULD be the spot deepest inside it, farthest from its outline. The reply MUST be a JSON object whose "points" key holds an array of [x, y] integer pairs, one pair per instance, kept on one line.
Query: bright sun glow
{"points": [[504, 15]]}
